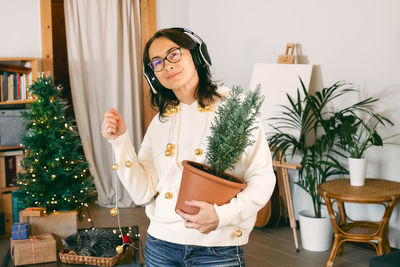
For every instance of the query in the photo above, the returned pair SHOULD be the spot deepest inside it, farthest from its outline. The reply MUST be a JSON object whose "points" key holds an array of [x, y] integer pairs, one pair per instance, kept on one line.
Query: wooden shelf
{"points": [[17, 58], [7, 148], [16, 102], [24, 69], [15, 68], [33, 61], [8, 189]]}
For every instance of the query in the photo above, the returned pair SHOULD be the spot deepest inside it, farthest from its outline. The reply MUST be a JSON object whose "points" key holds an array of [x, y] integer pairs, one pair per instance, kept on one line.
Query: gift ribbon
{"points": [[31, 209], [19, 230], [33, 239]]}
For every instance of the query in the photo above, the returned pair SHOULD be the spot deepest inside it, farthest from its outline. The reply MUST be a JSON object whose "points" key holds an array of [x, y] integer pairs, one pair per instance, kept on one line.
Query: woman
{"points": [[176, 65]]}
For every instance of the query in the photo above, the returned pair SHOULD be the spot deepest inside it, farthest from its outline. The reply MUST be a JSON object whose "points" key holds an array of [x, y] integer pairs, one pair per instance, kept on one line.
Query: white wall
{"points": [[357, 41], [173, 13], [20, 28]]}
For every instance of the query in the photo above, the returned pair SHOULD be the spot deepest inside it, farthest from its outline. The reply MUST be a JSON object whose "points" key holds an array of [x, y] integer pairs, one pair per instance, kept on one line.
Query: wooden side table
{"points": [[375, 191]]}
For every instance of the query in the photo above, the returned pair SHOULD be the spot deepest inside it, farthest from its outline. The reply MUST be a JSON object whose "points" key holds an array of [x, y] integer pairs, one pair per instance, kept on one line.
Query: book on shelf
{"points": [[5, 75], [10, 87], [15, 76], [28, 82], [23, 87], [17, 89], [1, 88], [15, 83], [13, 86]]}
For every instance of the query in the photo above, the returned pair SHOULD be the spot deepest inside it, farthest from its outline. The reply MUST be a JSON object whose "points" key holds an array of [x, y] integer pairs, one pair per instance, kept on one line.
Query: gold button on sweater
{"points": [[152, 172]]}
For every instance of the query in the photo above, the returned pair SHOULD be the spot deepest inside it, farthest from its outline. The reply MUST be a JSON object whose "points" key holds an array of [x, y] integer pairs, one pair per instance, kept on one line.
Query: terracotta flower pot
{"points": [[198, 184]]}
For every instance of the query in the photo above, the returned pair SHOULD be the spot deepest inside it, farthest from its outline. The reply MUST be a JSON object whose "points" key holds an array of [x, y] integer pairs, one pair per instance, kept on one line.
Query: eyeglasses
{"points": [[157, 64]]}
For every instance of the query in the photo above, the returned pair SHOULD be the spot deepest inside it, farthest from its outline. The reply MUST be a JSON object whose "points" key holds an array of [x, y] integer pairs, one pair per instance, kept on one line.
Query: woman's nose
{"points": [[168, 65]]}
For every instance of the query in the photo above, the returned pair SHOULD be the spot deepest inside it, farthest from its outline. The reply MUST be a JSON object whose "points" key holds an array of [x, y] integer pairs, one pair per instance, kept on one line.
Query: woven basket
{"points": [[72, 258]]}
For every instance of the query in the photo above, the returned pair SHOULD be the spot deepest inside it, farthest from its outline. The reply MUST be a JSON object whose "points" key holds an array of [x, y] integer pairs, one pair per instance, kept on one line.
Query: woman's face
{"points": [[181, 75]]}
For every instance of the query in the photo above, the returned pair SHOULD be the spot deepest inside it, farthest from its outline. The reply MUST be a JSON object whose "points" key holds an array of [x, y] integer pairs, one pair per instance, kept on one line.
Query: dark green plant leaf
{"points": [[323, 138]]}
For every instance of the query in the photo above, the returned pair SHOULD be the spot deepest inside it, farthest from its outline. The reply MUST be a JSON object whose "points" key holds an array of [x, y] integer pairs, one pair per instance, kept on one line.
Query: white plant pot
{"points": [[358, 169], [316, 233]]}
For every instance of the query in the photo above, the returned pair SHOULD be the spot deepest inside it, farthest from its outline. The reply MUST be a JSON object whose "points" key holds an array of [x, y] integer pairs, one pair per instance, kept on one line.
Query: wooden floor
{"points": [[267, 246]]}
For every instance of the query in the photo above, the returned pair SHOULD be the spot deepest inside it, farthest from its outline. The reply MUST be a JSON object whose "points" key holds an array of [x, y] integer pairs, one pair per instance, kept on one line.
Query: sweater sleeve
{"points": [[136, 172], [256, 167]]}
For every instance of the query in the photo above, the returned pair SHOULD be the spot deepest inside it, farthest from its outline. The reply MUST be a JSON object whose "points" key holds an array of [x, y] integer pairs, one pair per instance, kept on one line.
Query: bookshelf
{"points": [[24, 70], [16, 74], [7, 157]]}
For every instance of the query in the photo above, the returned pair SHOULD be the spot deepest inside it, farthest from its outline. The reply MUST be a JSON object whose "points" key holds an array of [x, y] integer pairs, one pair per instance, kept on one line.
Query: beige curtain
{"points": [[104, 57]]}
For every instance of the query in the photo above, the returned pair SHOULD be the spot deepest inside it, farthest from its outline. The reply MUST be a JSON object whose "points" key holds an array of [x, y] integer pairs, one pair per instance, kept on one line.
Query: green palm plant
{"points": [[306, 127], [356, 136]]}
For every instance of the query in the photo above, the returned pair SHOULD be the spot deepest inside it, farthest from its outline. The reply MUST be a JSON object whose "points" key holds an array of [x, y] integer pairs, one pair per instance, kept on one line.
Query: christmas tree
{"points": [[56, 176]]}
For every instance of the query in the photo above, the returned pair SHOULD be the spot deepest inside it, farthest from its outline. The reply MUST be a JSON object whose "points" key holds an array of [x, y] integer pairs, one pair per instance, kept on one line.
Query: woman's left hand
{"points": [[205, 221]]}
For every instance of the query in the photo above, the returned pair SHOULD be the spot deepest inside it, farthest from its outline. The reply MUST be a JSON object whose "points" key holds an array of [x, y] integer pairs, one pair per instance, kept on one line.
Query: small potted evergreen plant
{"points": [[231, 133]]}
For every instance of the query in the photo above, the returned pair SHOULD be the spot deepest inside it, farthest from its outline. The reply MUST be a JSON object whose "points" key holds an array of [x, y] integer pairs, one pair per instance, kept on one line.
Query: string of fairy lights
{"points": [[59, 165], [126, 238], [67, 164]]}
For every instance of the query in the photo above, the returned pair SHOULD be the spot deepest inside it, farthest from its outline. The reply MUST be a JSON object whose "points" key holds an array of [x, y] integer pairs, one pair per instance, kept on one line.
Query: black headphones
{"points": [[203, 58]]}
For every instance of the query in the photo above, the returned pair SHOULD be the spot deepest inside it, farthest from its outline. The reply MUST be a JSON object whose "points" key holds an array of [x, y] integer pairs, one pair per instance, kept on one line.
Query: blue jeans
{"points": [[159, 253]]}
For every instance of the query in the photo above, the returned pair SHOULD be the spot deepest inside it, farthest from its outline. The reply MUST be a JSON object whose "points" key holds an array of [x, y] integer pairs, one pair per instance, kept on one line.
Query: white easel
{"points": [[276, 81]]}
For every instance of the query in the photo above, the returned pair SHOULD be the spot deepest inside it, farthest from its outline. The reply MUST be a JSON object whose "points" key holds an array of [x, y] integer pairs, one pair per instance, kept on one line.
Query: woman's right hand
{"points": [[113, 125]]}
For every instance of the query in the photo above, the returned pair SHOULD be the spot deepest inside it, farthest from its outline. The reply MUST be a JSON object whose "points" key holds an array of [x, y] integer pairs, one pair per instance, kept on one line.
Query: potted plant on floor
{"points": [[355, 137], [231, 133], [307, 128]]}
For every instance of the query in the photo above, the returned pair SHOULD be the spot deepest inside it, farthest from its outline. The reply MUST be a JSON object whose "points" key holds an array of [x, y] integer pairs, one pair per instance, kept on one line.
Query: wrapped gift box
{"points": [[33, 211], [37, 249], [20, 231], [59, 223]]}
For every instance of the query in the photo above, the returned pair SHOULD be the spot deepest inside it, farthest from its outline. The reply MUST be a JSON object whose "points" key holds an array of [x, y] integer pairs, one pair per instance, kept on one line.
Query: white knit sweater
{"points": [[153, 172]]}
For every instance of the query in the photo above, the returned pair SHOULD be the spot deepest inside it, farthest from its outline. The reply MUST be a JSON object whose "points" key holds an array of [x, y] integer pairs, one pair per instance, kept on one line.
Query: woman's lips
{"points": [[173, 75]]}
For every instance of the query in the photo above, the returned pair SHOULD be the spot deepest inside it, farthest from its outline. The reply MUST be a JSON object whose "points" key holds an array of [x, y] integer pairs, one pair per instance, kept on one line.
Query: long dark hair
{"points": [[206, 90]]}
